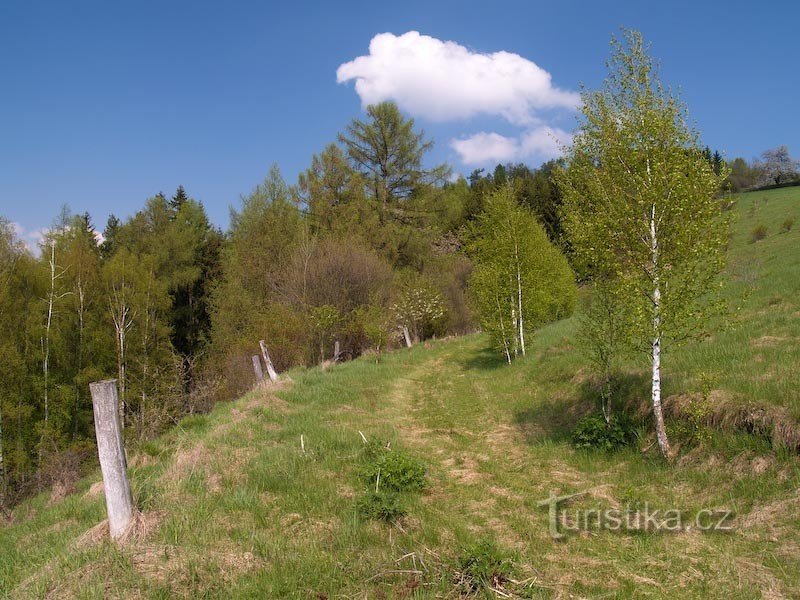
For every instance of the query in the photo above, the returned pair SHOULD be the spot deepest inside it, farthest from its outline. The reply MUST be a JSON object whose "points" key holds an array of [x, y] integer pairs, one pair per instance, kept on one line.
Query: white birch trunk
{"points": [[520, 319], [503, 330], [46, 341], [658, 413], [111, 451]]}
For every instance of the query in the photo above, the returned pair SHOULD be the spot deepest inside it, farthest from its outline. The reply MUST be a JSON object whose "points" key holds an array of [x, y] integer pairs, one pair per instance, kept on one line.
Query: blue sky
{"points": [[104, 104]]}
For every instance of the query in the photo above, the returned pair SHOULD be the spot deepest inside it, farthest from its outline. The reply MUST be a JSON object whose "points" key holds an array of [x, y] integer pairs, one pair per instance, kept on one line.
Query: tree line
{"points": [[368, 246], [368, 242]]}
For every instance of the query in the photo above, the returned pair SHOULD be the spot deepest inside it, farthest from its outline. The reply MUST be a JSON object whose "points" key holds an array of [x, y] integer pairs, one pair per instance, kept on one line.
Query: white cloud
{"points": [[30, 237], [445, 81], [484, 148]]}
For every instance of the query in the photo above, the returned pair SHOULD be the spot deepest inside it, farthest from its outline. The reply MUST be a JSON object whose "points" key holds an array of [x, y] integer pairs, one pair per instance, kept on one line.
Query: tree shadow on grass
{"points": [[555, 418], [485, 359]]}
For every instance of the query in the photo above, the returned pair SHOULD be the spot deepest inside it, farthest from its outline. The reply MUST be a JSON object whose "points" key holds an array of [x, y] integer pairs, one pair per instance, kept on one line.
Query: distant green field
{"points": [[234, 506], [756, 360]]}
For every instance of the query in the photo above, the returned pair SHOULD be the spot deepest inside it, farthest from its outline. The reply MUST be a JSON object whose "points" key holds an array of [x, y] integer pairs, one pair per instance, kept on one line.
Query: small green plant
{"points": [[392, 470], [787, 225], [383, 505], [758, 233], [593, 432], [483, 565]]}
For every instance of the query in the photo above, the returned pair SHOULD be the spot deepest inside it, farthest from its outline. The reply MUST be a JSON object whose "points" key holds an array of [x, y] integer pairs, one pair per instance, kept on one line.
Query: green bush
{"points": [[595, 433], [787, 225], [759, 233], [384, 505], [483, 565], [392, 470]]}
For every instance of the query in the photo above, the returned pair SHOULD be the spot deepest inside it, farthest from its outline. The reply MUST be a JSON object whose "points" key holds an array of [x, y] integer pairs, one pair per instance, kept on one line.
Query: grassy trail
{"points": [[236, 505]]}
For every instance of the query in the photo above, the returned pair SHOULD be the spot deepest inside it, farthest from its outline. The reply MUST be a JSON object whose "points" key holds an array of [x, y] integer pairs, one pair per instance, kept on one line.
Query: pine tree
{"points": [[389, 153], [179, 199]]}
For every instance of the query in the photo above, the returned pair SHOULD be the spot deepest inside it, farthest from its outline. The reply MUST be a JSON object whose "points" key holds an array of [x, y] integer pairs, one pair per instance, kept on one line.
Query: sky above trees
{"points": [[105, 105]]}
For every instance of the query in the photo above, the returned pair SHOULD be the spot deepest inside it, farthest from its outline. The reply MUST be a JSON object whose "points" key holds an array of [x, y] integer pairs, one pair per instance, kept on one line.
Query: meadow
{"points": [[276, 494]]}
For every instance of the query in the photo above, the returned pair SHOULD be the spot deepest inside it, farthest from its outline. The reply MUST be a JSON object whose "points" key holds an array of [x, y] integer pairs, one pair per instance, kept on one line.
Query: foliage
{"points": [[483, 565], [594, 432], [383, 505], [787, 224], [389, 153], [392, 470], [777, 166], [642, 209], [420, 307], [520, 280]]}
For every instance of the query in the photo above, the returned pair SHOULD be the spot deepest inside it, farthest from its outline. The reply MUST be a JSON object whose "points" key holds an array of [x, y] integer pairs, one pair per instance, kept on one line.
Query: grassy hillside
{"points": [[235, 504]]}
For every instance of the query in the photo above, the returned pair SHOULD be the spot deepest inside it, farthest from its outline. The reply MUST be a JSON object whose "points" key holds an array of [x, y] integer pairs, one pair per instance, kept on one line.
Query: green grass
{"points": [[234, 507]]}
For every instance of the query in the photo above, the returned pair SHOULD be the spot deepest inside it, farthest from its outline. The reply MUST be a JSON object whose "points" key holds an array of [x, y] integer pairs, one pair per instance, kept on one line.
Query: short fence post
{"points": [[273, 375], [407, 336], [257, 368], [111, 450]]}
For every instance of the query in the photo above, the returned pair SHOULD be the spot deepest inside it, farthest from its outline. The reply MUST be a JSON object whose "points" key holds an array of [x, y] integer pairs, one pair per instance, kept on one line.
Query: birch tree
{"points": [[641, 208], [520, 280], [120, 292], [54, 295]]}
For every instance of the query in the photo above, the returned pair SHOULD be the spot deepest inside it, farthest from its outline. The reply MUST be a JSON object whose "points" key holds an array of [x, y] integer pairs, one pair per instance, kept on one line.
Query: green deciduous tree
{"points": [[642, 209], [520, 280]]}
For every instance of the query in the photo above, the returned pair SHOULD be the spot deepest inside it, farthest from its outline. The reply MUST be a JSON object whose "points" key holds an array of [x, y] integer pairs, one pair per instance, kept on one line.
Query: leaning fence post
{"points": [[257, 368], [407, 336], [111, 450], [273, 375]]}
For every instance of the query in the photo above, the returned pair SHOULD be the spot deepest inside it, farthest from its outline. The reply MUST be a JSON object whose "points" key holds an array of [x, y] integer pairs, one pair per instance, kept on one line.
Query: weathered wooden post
{"points": [[257, 368], [407, 336], [111, 450], [273, 375], [336, 354]]}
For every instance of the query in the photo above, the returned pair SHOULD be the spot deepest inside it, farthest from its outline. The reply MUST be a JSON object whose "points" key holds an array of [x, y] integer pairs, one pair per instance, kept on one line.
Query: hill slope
{"points": [[261, 498]]}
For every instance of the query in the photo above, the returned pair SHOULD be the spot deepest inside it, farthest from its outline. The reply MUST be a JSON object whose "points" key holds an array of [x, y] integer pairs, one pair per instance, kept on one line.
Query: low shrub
{"points": [[593, 432], [758, 233], [393, 470], [787, 225], [483, 566], [383, 505]]}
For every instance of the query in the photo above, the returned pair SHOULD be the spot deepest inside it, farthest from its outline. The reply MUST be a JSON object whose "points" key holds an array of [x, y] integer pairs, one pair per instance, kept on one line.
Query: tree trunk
{"points": [[503, 330], [658, 413], [336, 351], [273, 375], [520, 320], [113, 464], [257, 369], [46, 341]]}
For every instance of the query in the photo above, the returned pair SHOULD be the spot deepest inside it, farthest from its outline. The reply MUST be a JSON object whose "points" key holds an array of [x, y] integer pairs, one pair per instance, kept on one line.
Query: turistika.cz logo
{"points": [[631, 519]]}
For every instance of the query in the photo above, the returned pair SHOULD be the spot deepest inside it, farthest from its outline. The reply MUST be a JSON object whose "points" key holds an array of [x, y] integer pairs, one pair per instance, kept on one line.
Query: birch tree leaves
{"points": [[642, 212], [520, 279]]}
